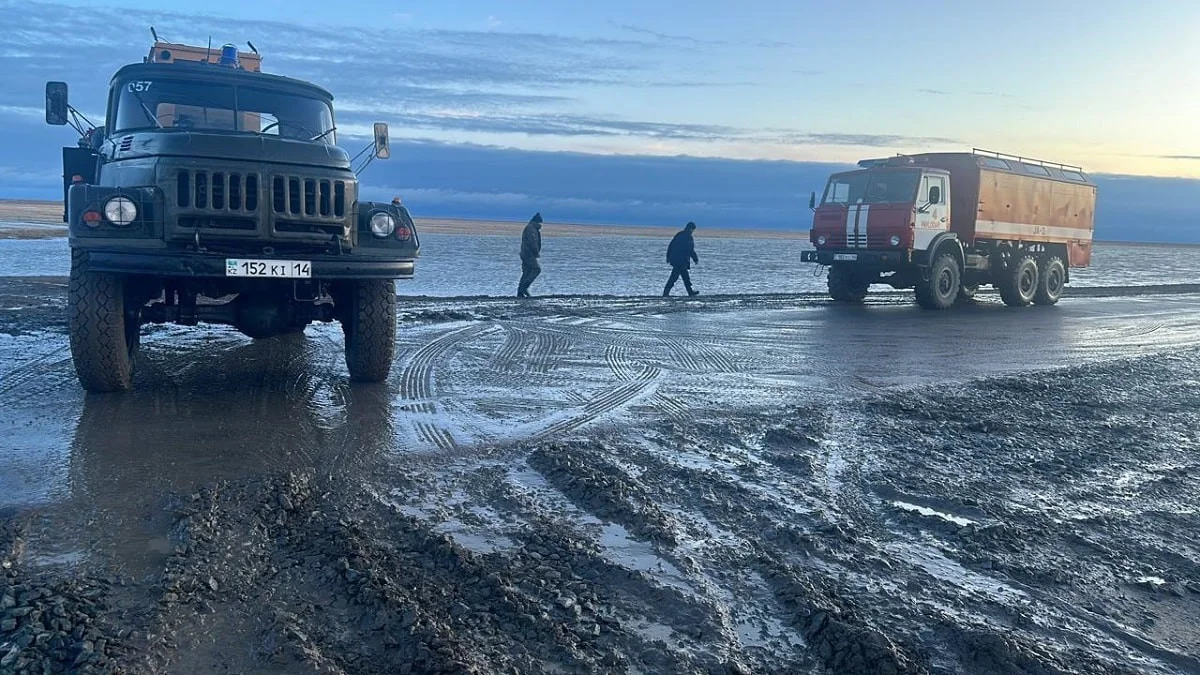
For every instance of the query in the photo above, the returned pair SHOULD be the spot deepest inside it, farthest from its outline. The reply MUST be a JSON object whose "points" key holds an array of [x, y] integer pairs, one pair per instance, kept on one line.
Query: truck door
{"points": [[933, 210]]}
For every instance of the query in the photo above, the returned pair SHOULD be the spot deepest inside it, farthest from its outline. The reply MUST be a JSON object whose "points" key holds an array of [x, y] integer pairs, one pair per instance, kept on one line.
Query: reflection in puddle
{"points": [[939, 566], [933, 513]]}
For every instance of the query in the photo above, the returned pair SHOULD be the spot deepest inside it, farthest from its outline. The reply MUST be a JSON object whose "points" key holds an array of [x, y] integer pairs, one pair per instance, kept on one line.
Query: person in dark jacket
{"points": [[531, 249], [680, 254]]}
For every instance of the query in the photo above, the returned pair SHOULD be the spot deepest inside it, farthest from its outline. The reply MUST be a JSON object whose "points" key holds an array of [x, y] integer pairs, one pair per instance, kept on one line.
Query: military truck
{"points": [[943, 224], [215, 193]]}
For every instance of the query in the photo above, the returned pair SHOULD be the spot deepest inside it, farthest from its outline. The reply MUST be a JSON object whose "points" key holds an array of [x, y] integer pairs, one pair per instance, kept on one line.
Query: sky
{"points": [[1110, 86]]}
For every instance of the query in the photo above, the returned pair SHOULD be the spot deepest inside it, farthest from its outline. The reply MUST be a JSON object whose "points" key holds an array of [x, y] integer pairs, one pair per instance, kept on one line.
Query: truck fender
{"points": [[946, 241]]}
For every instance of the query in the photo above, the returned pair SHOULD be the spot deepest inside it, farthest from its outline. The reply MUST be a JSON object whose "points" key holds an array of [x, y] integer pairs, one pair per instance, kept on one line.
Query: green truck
{"points": [[216, 193]]}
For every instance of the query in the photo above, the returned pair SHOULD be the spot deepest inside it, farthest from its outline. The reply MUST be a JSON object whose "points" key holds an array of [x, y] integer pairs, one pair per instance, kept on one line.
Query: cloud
{"points": [[865, 140], [696, 42], [1189, 158], [665, 37]]}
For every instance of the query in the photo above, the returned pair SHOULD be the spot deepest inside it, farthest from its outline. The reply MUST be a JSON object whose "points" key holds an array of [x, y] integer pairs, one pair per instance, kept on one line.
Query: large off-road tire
{"points": [[845, 285], [941, 289], [369, 324], [1052, 277], [1019, 282], [104, 331]]}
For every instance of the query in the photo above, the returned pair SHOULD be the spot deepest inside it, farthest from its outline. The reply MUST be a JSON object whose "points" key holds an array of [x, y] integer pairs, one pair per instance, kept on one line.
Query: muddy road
{"points": [[729, 485]]}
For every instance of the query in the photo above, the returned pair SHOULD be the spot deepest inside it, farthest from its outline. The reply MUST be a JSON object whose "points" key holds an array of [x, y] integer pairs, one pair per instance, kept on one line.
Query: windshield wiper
{"points": [[323, 134], [145, 108]]}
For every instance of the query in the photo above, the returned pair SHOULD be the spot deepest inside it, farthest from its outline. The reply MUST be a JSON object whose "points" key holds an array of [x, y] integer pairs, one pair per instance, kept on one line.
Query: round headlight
{"points": [[120, 211], [382, 224], [895, 240], [821, 240]]}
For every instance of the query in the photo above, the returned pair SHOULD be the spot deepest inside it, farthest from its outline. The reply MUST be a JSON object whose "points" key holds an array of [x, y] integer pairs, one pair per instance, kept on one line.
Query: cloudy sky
{"points": [[1111, 86]]}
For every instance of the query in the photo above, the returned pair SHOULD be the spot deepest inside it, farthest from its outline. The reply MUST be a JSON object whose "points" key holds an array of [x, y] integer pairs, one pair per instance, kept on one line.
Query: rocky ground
{"points": [[1026, 522]]}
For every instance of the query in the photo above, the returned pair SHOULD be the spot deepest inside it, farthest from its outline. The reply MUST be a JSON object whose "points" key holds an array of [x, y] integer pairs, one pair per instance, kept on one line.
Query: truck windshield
{"points": [[873, 187], [179, 104]]}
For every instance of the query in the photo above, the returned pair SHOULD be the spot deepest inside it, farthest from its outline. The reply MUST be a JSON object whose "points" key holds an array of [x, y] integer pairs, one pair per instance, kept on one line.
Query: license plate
{"points": [[268, 269], [845, 256]]}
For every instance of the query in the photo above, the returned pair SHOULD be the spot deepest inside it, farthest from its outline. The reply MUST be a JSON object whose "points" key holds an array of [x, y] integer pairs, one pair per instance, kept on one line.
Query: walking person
{"points": [[681, 252], [531, 249]]}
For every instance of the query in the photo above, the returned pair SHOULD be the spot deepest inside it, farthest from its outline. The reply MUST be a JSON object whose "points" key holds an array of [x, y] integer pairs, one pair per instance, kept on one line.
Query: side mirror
{"points": [[935, 195], [383, 148], [812, 200], [56, 103]]}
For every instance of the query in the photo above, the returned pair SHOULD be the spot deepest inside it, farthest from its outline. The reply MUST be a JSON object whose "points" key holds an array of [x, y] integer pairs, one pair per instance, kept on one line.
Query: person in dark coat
{"points": [[531, 249], [680, 254]]}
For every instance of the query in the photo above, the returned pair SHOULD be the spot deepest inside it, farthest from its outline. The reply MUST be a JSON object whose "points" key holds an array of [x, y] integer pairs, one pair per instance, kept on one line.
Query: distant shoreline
{"points": [[39, 219], [45, 220]]}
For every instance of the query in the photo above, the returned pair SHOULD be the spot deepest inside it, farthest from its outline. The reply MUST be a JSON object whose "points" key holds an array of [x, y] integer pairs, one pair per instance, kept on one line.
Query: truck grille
{"points": [[308, 198], [228, 192]]}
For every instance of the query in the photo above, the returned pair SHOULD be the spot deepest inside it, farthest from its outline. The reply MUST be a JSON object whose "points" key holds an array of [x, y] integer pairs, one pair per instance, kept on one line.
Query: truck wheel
{"points": [[369, 324], [1019, 282], [845, 285], [1051, 281], [967, 292], [104, 334], [941, 289]]}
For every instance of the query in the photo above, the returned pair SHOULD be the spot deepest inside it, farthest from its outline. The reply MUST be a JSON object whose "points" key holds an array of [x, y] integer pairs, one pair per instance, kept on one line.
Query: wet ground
{"points": [[731, 484]]}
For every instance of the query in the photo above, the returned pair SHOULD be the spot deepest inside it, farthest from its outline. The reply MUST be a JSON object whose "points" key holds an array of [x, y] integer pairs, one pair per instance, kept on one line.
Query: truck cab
{"points": [[881, 215], [213, 180]]}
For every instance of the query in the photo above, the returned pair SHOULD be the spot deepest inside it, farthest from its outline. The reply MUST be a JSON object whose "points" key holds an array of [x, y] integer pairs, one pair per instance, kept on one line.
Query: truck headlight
{"points": [[895, 240], [821, 240], [120, 211], [382, 224]]}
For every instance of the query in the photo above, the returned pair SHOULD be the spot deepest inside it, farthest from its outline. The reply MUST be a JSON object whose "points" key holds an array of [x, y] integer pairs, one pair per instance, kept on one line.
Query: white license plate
{"points": [[269, 269], [845, 256]]}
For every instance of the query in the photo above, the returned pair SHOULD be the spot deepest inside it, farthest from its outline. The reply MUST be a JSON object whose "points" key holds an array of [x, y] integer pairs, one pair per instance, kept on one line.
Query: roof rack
{"points": [[1026, 160]]}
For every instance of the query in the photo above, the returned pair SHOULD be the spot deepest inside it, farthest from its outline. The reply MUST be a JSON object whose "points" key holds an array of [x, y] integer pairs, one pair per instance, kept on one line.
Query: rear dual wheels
{"points": [[847, 286], [1052, 278], [1030, 281], [369, 324]]}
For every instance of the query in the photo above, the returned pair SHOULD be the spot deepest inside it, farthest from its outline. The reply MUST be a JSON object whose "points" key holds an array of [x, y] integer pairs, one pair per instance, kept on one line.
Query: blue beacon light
{"points": [[229, 56]]}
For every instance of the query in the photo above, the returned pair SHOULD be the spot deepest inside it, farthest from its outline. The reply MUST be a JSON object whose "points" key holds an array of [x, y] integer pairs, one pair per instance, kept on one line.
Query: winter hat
{"points": [[691, 225], [537, 218]]}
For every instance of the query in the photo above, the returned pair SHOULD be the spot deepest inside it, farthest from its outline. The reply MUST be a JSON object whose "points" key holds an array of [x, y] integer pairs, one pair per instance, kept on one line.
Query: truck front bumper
{"points": [[171, 264], [884, 259]]}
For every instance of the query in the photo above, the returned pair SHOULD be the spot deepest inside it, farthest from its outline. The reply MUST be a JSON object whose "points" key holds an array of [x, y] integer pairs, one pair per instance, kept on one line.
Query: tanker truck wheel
{"points": [[104, 334], [941, 289], [1050, 282], [369, 324], [1019, 282], [845, 285]]}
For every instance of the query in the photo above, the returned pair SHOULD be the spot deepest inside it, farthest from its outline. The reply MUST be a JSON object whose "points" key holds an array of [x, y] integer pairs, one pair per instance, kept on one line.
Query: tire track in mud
{"points": [[660, 619], [416, 383], [615, 356], [672, 407], [516, 343], [30, 371], [679, 353], [602, 405]]}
